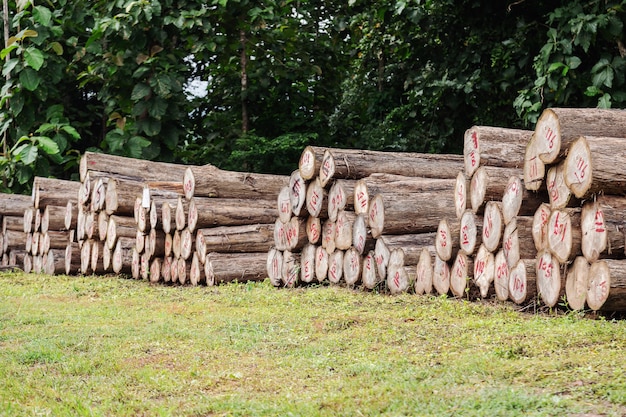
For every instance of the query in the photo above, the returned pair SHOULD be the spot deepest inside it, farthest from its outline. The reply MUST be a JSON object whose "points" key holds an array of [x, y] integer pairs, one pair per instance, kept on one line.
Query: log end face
{"points": [[189, 183], [599, 285]]}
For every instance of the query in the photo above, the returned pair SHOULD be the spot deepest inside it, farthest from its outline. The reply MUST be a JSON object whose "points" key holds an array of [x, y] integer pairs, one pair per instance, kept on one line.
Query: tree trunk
{"points": [[307, 263], [441, 276], [424, 273], [210, 181], [595, 165], [461, 188], [329, 230], [494, 146], [607, 285], [122, 258], [335, 267], [120, 196], [540, 226], [321, 264], [517, 240], [313, 229], [489, 184], [297, 192], [14, 204], [284, 205], [557, 128], [340, 197], [55, 240], [469, 238], [484, 270], [369, 276], [564, 234], [129, 168], [492, 226], [501, 277], [310, 162], [534, 168], [459, 274], [316, 199], [549, 283], [518, 201], [72, 259], [228, 239], [274, 266], [291, 269], [343, 230], [54, 192], [576, 283], [120, 226], [212, 212], [558, 192], [351, 267], [447, 239]]}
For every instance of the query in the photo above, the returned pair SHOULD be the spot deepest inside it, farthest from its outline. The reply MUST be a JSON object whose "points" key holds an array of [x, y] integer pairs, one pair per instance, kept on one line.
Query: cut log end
{"points": [[576, 283], [548, 278], [578, 168]]}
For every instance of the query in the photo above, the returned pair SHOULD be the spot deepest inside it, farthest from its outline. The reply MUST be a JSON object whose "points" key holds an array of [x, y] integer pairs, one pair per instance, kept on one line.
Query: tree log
{"points": [[412, 213], [274, 266], [469, 238], [329, 230], [316, 199], [55, 240], [564, 234], [523, 281], [549, 283], [196, 273], [85, 256], [607, 285], [594, 164], [184, 271], [351, 267], [54, 192], [602, 226], [210, 212], [514, 194], [284, 205], [321, 263], [120, 226], [103, 225], [343, 230], [122, 258], [176, 244], [291, 269], [135, 266], [492, 226], [335, 266], [441, 276], [280, 235], [97, 264], [13, 223], [14, 204], [228, 239], [187, 244], [517, 240], [484, 270], [98, 195], [398, 279], [28, 263], [307, 263], [459, 275], [183, 212], [296, 234], [461, 188], [410, 244], [313, 229], [534, 168], [557, 128], [361, 197], [447, 239], [130, 168], [357, 164], [540, 226], [310, 162], [424, 273], [72, 259], [489, 184], [340, 197], [558, 192], [297, 192], [14, 239], [576, 283], [166, 269], [501, 278], [210, 181], [369, 275], [155, 270], [121, 195], [494, 146], [54, 262], [27, 220]]}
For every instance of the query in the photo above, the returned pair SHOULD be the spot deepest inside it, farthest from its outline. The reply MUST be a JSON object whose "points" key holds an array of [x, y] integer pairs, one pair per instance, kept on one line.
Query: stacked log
{"points": [[579, 233], [367, 216], [16, 226]]}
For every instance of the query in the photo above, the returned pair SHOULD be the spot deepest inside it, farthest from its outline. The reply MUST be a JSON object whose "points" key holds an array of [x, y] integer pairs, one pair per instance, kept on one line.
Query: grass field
{"points": [[116, 347]]}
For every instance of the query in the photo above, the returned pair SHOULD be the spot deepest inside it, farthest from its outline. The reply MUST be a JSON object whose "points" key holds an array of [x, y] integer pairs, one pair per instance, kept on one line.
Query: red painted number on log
{"points": [[599, 222], [488, 226], [559, 228], [518, 285], [361, 199], [284, 208], [275, 267], [501, 271], [513, 188], [296, 188], [307, 270], [508, 245], [374, 211], [581, 168], [360, 244], [379, 259], [396, 279], [534, 168], [464, 235], [546, 267], [554, 192], [550, 136], [473, 159], [475, 139], [326, 167], [444, 238], [479, 268]]}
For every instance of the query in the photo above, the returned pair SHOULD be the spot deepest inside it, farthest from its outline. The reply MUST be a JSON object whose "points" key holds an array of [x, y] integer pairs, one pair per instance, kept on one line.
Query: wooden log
{"points": [[157, 240], [210, 181], [14, 204], [117, 227], [501, 277], [166, 269], [297, 193], [135, 266], [72, 258], [469, 238], [494, 146], [32, 243], [517, 240], [340, 197], [291, 269], [27, 219], [55, 240], [335, 267], [91, 225], [211, 212], [228, 239], [196, 273], [130, 168], [343, 230], [16, 257], [523, 281], [38, 264], [98, 195], [183, 212], [352, 266], [54, 192], [398, 279], [381, 183], [549, 283], [447, 239], [54, 262], [362, 240], [103, 225], [121, 195], [274, 266], [594, 164], [97, 263], [576, 282], [321, 264], [484, 270], [557, 128], [329, 230], [424, 273], [607, 285], [534, 168], [361, 197], [307, 263], [460, 275], [85, 256], [280, 235], [411, 245], [28, 263], [144, 265], [13, 223], [310, 162], [37, 222], [602, 228], [313, 229], [316, 200], [412, 213], [167, 220], [441, 276], [71, 216], [122, 257], [296, 234], [176, 244], [284, 205], [174, 270], [489, 184], [558, 192], [357, 164], [514, 195], [184, 271], [461, 188], [155, 270], [187, 244], [369, 274], [14, 239], [492, 226], [564, 234], [540, 226], [381, 255]]}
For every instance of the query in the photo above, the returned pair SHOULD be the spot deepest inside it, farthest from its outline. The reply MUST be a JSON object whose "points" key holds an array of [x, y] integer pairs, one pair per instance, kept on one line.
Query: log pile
{"points": [[16, 216]]}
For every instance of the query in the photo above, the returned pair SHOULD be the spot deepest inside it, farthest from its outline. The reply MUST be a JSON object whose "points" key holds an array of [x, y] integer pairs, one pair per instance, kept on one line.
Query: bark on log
{"points": [[13, 239], [129, 168], [461, 188], [550, 286], [607, 285], [14, 204], [55, 240], [122, 258], [321, 264], [357, 164], [602, 225], [469, 238], [534, 168], [494, 146], [576, 283], [484, 270], [210, 212], [228, 239], [13, 223], [121, 195], [424, 273], [55, 192], [557, 128], [459, 274], [595, 164], [157, 243], [413, 213], [410, 244], [489, 184], [274, 266], [447, 239], [54, 262], [351, 267], [119, 226], [523, 281], [501, 278], [210, 181], [564, 234]]}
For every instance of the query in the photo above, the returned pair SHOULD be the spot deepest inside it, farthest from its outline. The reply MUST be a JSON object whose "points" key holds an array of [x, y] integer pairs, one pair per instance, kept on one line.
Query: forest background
{"points": [[245, 85]]}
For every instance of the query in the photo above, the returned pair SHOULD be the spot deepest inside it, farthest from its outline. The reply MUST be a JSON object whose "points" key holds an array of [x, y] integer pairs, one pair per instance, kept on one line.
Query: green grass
{"points": [[110, 346]]}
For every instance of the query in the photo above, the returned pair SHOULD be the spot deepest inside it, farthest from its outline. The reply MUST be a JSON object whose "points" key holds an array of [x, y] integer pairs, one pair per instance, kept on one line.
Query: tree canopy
{"points": [[245, 85]]}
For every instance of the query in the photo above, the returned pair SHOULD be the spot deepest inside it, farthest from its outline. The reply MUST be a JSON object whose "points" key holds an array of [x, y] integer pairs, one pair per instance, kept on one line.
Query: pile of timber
{"points": [[13, 209], [577, 155], [359, 218]]}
